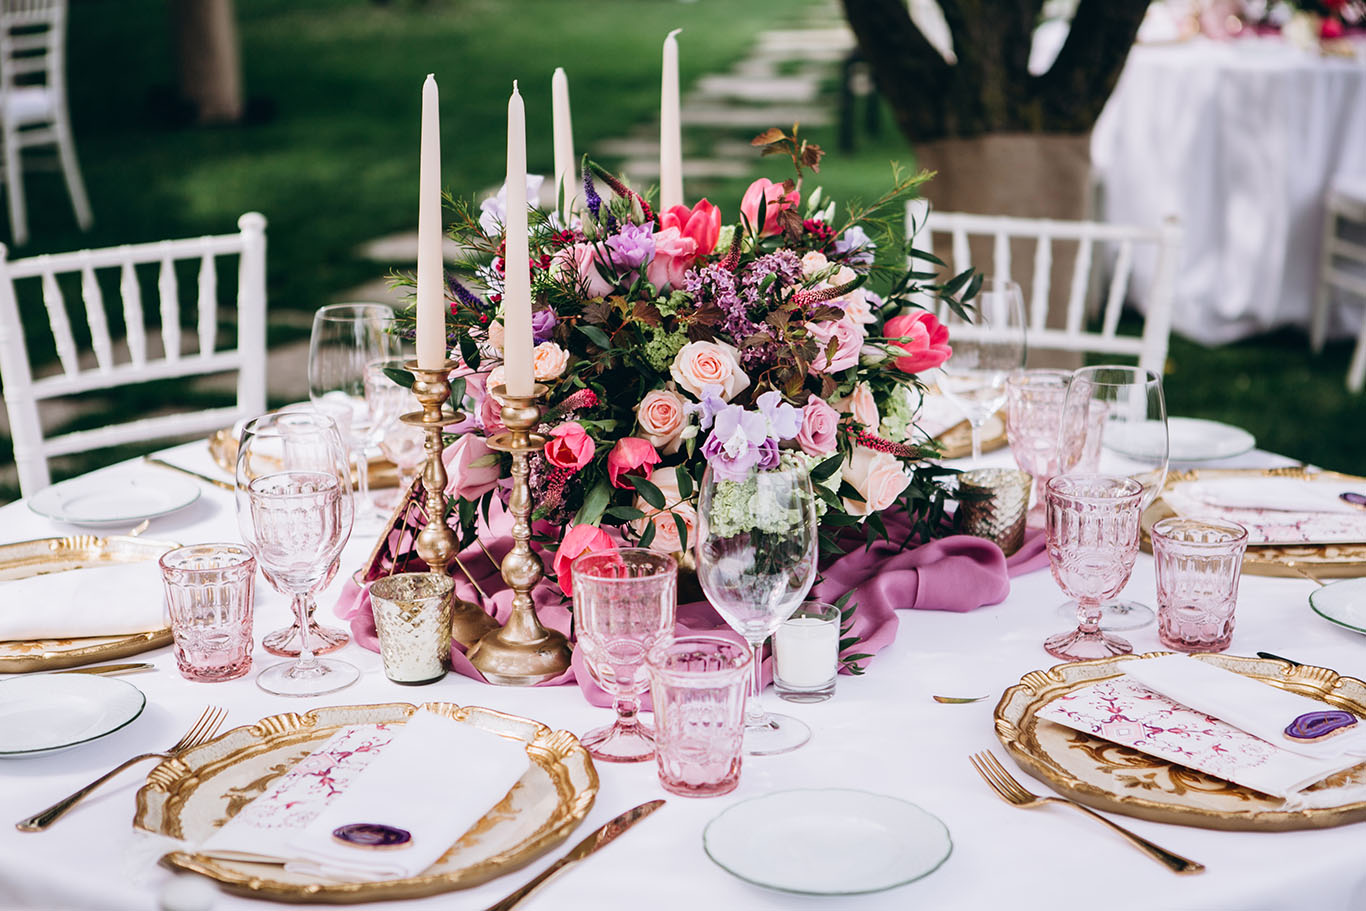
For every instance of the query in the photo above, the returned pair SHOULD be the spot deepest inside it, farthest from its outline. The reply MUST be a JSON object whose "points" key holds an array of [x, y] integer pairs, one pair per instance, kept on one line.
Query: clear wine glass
{"points": [[756, 560], [294, 510], [985, 353], [1034, 400], [387, 401], [624, 603], [1092, 523], [1114, 422], [347, 339]]}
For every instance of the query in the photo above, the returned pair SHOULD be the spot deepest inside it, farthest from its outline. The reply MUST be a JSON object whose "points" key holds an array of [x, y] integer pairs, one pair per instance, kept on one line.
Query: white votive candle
{"points": [[806, 651]]}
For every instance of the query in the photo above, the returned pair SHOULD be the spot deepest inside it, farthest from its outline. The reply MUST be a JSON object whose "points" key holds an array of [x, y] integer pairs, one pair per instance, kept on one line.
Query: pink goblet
{"points": [[1092, 523], [623, 606]]}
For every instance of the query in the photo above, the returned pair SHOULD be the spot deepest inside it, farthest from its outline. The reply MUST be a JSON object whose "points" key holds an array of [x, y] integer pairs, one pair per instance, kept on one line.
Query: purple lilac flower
{"points": [[461, 293], [542, 324], [783, 420], [632, 248], [854, 247], [739, 296]]}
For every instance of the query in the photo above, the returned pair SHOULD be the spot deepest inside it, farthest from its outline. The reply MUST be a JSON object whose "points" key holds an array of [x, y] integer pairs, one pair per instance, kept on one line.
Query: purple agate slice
{"points": [[372, 835], [1317, 725]]}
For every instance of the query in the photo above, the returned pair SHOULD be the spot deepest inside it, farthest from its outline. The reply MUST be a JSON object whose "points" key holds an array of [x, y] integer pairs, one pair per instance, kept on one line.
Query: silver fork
{"points": [[200, 732], [1015, 794]]}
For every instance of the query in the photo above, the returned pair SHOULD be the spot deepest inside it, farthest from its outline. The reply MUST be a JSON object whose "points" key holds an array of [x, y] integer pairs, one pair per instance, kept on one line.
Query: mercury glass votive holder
{"points": [[413, 619], [993, 504]]}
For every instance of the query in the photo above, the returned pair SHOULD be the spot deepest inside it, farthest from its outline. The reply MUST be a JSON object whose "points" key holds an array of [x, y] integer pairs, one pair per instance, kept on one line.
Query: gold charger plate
{"points": [[191, 796], [25, 559], [1316, 561], [956, 442], [1108, 776], [223, 449]]}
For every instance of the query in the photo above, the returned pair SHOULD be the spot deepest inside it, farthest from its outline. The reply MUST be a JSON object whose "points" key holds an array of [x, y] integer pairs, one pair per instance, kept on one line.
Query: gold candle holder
{"points": [[436, 543], [522, 652]]}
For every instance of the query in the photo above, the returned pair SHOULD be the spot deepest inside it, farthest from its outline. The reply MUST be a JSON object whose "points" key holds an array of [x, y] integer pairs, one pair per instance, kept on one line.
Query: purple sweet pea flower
{"points": [[710, 404], [493, 212], [632, 248], [784, 420], [739, 441], [854, 246], [767, 455], [542, 324]]}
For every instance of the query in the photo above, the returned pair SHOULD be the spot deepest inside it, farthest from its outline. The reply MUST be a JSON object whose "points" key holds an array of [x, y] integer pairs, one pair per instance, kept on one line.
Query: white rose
{"points": [[879, 477], [701, 364], [549, 361], [814, 263]]}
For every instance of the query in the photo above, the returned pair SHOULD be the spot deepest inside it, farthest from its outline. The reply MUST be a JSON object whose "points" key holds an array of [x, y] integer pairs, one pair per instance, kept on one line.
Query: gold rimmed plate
{"points": [[956, 442], [1108, 776], [190, 797], [1328, 561], [223, 448], [25, 559]]}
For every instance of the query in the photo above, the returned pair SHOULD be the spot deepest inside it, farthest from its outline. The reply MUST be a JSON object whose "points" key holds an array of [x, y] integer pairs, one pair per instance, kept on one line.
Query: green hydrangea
{"points": [[738, 507], [668, 306], [898, 414], [661, 347]]}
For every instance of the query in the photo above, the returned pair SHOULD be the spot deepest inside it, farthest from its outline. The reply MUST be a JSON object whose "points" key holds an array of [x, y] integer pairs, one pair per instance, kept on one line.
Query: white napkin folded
{"points": [[115, 600], [938, 414], [1258, 708], [1281, 494], [433, 777]]}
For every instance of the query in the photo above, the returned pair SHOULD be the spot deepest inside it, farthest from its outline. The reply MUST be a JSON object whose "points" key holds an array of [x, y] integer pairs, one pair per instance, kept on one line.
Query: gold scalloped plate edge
{"points": [[558, 753], [1037, 688], [223, 450], [1326, 561]]}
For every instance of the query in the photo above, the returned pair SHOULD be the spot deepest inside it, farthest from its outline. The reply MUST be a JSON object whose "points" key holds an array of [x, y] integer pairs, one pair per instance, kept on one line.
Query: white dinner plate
{"points": [[1343, 603], [100, 501], [49, 712], [827, 841], [1190, 440]]}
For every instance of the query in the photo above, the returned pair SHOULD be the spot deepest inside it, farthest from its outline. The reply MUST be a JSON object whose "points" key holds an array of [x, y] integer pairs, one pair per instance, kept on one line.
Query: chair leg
{"points": [[1356, 374], [1318, 324], [71, 170], [14, 189]]}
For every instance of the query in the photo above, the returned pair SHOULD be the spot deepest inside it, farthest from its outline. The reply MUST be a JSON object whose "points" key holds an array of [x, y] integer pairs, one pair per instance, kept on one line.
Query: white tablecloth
{"points": [[1240, 140], [881, 733]]}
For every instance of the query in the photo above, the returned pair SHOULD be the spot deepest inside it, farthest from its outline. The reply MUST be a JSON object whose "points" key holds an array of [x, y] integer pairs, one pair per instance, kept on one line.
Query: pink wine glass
{"points": [[1092, 523], [624, 604]]}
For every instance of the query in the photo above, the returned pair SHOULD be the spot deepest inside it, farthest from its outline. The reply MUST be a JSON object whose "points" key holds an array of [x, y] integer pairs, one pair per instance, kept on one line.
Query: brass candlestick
{"points": [[436, 543], [523, 652]]}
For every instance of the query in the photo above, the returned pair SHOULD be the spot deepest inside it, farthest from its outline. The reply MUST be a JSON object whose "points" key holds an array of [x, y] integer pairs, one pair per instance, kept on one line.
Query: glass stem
{"points": [[1088, 616], [755, 716], [306, 661], [628, 710], [362, 481], [976, 442]]}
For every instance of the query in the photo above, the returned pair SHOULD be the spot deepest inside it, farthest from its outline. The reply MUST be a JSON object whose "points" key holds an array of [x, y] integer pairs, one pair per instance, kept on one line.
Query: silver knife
{"points": [[600, 838]]}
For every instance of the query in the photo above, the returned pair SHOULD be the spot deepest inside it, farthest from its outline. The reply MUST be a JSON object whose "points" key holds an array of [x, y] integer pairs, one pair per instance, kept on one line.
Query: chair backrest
{"points": [[24, 392], [32, 43], [1150, 348]]}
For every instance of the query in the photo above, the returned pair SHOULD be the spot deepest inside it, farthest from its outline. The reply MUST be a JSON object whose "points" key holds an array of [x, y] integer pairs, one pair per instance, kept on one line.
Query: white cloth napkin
{"points": [[433, 777], [1281, 494], [1258, 708], [938, 414], [115, 600]]}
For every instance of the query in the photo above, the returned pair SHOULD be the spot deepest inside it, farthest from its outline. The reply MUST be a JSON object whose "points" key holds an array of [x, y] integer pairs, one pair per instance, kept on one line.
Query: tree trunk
{"points": [[209, 57]]}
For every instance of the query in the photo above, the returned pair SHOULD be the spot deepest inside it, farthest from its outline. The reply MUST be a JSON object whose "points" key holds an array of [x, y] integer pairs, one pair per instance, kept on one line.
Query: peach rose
{"points": [[666, 540], [848, 336], [700, 364], [879, 477], [549, 360], [814, 263], [662, 415], [466, 479], [497, 377], [674, 254], [581, 260], [581, 539], [496, 336], [775, 201], [570, 447], [861, 404], [819, 433]]}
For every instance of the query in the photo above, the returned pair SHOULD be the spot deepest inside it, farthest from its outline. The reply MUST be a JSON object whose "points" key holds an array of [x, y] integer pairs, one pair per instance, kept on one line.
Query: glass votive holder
{"points": [[993, 504], [209, 595], [698, 687], [1199, 562], [413, 620], [806, 653]]}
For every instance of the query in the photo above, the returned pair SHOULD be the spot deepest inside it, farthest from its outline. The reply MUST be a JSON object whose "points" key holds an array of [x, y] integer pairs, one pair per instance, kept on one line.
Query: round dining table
{"points": [[881, 732], [1240, 140]]}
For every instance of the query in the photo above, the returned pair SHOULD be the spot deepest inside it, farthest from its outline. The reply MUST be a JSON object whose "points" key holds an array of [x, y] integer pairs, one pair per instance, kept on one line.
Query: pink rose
{"points": [[861, 404], [570, 447], [820, 427], [813, 262], [666, 539], [879, 477], [581, 539], [631, 455], [662, 415], [549, 360], [496, 335], [702, 223], [491, 415], [472, 468], [581, 260], [926, 345], [674, 254], [775, 201], [700, 364], [848, 336]]}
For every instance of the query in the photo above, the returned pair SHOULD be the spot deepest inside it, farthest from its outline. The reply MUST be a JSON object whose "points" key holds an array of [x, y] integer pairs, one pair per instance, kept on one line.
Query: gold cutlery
{"points": [[598, 838], [1015, 794], [216, 482], [200, 732], [109, 669], [958, 700]]}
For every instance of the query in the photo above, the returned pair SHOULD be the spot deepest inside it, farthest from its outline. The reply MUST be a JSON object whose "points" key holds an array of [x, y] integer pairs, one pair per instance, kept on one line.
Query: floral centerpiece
{"points": [[670, 341]]}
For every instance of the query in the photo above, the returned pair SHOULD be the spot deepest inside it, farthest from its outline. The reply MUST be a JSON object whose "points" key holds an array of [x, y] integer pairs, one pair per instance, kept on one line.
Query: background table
{"points": [[881, 732], [1239, 139]]}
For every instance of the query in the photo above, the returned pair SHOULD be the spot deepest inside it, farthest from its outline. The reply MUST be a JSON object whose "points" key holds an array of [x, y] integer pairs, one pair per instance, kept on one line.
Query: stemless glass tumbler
{"points": [[209, 593], [1199, 563], [623, 606], [1093, 528]]}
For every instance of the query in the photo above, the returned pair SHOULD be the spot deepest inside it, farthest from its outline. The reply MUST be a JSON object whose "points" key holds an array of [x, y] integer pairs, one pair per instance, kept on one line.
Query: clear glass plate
{"points": [[98, 502]]}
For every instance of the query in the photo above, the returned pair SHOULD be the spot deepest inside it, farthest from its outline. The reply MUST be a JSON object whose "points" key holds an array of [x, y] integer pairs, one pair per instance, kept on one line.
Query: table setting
{"points": [[629, 537]]}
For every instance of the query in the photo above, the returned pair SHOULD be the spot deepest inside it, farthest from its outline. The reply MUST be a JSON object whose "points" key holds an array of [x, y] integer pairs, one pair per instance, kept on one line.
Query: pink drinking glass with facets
{"points": [[210, 594], [1092, 526], [1199, 563], [698, 687], [624, 604]]}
